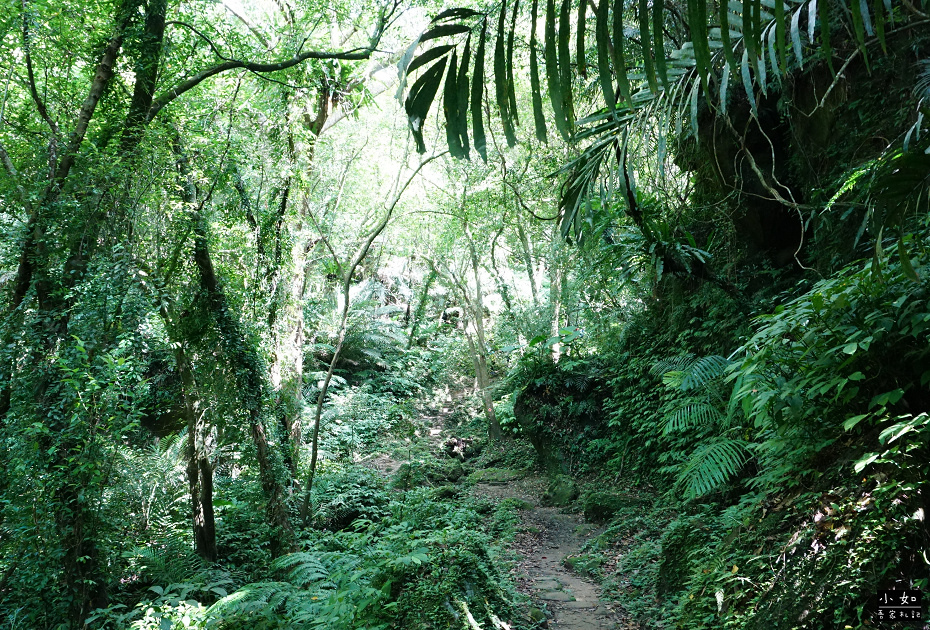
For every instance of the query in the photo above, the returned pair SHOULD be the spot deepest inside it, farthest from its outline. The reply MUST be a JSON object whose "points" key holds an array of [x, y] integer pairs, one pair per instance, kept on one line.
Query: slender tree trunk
{"points": [[250, 381], [247, 367], [347, 272], [199, 470], [420, 310], [528, 261], [555, 293], [494, 427]]}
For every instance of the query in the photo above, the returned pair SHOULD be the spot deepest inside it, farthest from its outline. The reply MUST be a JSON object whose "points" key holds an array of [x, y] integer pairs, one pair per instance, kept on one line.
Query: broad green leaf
{"points": [[619, 57], [879, 10], [429, 55], [695, 88], [796, 37], [723, 17], [866, 18], [451, 108], [749, 39], [747, 81], [602, 39], [500, 78], [462, 119], [888, 398], [850, 348], [852, 422], [724, 83], [552, 70], [511, 91], [477, 96], [761, 77], [856, 9], [756, 7], [444, 30], [539, 118], [565, 66], [420, 98], [645, 39], [773, 56], [905, 259], [780, 43], [455, 14], [866, 459]]}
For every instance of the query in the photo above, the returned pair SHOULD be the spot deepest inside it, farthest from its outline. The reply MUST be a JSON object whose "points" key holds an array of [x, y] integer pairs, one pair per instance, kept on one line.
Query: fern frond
{"points": [[672, 364], [712, 465], [691, 414], [303, 568], [703, 371], [258, 599]]}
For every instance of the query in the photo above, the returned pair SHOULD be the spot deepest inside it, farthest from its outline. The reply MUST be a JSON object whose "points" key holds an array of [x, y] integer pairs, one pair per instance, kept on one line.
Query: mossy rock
{"points": [[495, 476], [452, 470], [584, 564], [537, 618], [516, 504], [428, 472], [561, 492], [410, 475], [600, 507], [446, 492]]}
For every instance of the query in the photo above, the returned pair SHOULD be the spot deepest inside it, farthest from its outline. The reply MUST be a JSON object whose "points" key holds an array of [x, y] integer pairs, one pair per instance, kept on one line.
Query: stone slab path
{"points": [[547, 536]]}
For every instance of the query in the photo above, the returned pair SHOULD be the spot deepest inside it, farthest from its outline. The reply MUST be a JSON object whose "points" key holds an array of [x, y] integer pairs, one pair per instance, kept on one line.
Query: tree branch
{"points": [[355, 54], [14, 175]]}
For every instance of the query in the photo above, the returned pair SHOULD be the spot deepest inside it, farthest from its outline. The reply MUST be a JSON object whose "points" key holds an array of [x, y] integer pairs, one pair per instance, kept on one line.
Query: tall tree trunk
{"points": [[247, 367], [420, 310], [555, 293], [250, 382], [484, 381], [199, 470], [528, 260]]}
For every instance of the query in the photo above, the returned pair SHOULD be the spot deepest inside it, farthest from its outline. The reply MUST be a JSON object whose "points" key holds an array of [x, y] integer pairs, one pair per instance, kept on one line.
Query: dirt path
{"points": [[563, 600], [569, 601]]}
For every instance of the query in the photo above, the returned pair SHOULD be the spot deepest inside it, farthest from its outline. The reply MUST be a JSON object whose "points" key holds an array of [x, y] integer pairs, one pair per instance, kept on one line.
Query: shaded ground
{"points": [[562, 599], [547, 536]]}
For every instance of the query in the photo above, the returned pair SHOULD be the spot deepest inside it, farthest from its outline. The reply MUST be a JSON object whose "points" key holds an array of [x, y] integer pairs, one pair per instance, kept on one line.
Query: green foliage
{"points": [[418, 564]]}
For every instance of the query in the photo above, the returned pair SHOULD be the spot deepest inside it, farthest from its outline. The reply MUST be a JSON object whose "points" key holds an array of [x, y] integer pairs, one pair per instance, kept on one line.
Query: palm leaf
{"points": [[645, 39], [477, 96], [539, 118]]}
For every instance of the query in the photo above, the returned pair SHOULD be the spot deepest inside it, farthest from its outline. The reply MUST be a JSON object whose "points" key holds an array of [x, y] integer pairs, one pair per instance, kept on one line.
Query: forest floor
{"points": [[546, 536]]}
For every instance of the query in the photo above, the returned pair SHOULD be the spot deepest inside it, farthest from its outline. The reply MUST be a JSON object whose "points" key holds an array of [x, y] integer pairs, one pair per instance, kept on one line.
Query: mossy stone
{"points": [[561, 492], [495, 476], [600, 507]]}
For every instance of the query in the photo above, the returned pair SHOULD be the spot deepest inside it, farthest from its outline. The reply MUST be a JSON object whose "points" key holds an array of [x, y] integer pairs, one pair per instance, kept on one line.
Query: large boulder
{"points": [[561, 492], [600, 507]]}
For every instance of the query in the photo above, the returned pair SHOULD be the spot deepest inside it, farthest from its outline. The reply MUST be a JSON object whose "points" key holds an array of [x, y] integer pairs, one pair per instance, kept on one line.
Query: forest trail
{"points": [[562, 599], [547, 536]]}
